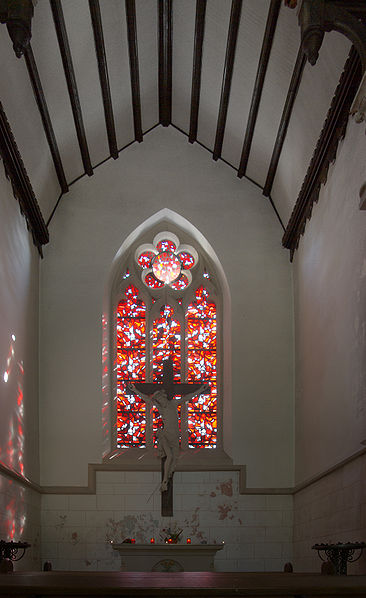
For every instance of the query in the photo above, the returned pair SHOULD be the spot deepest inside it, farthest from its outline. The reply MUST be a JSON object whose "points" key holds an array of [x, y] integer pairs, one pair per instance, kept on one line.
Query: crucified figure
{"points": [[168, 437]]}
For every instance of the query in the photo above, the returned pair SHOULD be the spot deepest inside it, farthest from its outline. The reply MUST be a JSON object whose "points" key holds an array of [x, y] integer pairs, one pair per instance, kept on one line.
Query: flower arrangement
{"points": [[170, 535]]}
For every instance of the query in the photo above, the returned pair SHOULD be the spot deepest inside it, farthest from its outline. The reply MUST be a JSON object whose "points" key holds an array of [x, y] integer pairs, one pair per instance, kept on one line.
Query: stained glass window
{"points": [[131, 367], [202, 365], [147, 334]]}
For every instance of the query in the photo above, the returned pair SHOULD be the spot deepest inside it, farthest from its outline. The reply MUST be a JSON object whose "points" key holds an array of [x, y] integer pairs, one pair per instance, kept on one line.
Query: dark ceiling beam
{"points": [[165, 62], [22, 187], [325, 152], [285, 119], [134, 67], [103, 76], [45, 116], [271, 24], [227, 76], [197, 68], [64, 46]]}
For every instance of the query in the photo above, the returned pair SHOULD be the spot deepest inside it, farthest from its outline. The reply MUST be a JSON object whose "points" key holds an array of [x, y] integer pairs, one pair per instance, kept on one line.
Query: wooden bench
{"points": [[192, 584]]}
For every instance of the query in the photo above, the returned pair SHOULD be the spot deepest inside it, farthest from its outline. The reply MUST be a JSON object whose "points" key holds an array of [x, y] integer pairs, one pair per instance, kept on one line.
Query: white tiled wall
{"points": [[20, 520], [77, 530], [331, 510]]}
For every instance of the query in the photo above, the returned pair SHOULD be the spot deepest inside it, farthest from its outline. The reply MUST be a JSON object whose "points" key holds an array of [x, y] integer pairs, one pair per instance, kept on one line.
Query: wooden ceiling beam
{"points": [[227, 76], [22, 187], [165, 62], [271, 24], [134, 67], [45, 116], [285, 119], [325, 152], [64, 46], [197, 68], [103, 76]]}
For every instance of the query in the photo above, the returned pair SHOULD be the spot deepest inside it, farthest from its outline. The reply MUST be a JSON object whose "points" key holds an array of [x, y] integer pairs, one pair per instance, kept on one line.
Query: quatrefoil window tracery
{"points": [[166, 262]]}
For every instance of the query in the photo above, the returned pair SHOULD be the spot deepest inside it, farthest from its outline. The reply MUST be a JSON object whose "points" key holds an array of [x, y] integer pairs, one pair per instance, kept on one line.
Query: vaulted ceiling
{"points": [[230, 75]]}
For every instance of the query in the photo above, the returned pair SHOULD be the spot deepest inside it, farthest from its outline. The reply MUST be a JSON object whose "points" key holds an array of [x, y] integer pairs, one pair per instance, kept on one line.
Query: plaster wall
{"points": [[331, 510], [89, 227], [330, 318], [77, 530], [19, 507]]}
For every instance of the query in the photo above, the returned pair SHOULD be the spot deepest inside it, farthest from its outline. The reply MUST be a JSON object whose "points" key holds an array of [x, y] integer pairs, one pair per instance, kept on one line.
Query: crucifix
{"points": [[161, 394]]}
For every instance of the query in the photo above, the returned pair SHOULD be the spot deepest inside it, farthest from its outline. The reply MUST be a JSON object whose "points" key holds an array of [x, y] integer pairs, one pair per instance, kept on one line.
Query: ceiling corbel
{"points": [[17, 15], [316, 17]]}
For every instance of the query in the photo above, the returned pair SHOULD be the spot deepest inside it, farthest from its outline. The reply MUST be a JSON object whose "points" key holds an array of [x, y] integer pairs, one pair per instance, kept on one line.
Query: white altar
{"points": [[167, 557]]}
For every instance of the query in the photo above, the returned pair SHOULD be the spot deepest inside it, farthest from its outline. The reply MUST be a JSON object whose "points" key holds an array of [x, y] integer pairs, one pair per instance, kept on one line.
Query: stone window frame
{"points": [[219, 293]]}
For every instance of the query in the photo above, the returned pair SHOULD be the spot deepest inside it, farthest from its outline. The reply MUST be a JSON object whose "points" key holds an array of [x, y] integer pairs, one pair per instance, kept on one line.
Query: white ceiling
{"points": [[312, 102]]}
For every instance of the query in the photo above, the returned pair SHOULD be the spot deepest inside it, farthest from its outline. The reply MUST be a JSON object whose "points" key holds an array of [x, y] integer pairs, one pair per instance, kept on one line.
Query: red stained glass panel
{"points": [[153, 282], [166, 342], [181, 283], [145, 258], [202, 365], [166, 339], [186, 259], [166, 245], [131, 345]]}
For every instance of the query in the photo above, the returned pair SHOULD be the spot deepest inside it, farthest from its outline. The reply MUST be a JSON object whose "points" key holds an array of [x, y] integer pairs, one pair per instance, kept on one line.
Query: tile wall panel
{"points": [[331, 510], [77, 530]]}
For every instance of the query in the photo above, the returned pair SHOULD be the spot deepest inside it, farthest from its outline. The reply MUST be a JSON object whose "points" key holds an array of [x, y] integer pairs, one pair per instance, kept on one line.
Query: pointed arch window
{"points": [[168, 306]]}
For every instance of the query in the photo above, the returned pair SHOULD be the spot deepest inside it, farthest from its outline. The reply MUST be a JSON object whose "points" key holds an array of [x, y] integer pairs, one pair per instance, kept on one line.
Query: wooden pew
{"points": [[192, 584]]}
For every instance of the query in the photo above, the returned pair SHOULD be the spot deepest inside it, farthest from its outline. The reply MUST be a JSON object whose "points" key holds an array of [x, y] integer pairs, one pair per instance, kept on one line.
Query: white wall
{"points": [[330, 308], [257, 530], [19, 507], [90, 225], [330, 510]]}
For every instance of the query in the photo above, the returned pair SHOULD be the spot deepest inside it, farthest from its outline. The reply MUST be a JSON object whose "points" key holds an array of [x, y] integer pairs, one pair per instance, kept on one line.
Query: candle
{"points": [[152, 540], [188, 540], [133, 541], [170, 541]]}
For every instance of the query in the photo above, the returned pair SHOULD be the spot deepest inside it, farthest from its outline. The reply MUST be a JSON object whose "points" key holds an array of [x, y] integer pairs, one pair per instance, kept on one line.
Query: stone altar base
{"points": [[167, 557]]}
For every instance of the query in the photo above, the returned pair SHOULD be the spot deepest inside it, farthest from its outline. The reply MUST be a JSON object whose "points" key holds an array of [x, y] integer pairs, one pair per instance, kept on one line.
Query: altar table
{"points": [[167, 557]]}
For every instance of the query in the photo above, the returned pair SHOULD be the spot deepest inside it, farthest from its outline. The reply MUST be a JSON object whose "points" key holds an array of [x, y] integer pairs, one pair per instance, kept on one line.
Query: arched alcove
{"points": [[124, 271]]}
